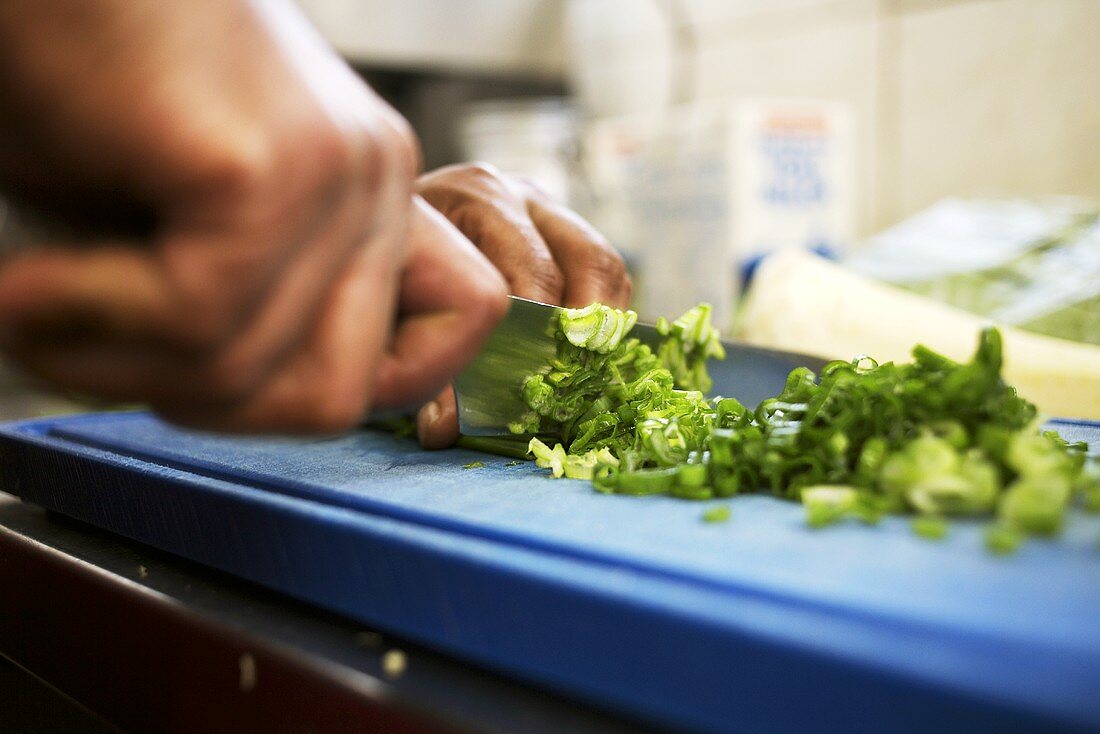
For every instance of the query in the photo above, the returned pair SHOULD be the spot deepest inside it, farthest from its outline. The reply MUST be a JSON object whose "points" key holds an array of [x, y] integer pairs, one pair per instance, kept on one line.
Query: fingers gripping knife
{"points": [[489, 390]]}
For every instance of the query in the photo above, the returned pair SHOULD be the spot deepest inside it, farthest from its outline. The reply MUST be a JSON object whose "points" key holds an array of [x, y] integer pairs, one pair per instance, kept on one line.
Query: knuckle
{"points": [[609, 269], [491, 297], [326, 156], [470, 217], [475, 180], [466, 184], [485, 305], [230, 167], [480, 171], [329, 149], [608, 263], [548, 279], [390, 150], [406, 145]]}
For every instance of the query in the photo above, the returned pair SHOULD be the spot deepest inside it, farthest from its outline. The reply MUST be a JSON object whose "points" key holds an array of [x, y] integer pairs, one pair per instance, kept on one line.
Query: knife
{"points": [[489, 389]]}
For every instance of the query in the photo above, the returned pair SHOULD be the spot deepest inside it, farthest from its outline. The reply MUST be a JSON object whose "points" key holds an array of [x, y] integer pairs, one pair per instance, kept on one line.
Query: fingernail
{"points": [[432, 411], [427, 416]]}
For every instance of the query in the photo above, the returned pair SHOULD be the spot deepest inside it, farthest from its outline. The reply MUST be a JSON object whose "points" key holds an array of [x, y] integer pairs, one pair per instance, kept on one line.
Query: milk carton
{"points": [[696, 194]]}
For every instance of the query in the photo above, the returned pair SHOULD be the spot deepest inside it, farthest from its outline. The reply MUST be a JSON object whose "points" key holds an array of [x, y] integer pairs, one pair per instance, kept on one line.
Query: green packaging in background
{"points": [[1030, 264]]}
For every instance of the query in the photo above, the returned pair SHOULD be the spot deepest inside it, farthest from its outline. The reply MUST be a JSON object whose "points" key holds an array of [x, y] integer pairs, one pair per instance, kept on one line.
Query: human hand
{"points": [[451, 298], [275, 192], [545, 251]]}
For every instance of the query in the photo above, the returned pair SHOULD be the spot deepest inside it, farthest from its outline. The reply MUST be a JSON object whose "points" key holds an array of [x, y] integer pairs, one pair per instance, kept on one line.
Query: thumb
{"points": [[437, 421]]}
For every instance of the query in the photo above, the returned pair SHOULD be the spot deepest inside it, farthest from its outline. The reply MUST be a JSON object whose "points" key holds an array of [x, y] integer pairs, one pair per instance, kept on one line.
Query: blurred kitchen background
{"points": [[949, 147], [700, 135]]}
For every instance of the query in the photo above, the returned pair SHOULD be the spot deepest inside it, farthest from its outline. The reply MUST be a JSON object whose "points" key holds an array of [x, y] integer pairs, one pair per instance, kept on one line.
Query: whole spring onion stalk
{"points": [[934, 438]]}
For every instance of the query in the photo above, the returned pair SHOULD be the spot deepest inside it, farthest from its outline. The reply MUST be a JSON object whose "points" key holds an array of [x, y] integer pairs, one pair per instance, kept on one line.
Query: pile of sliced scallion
{"points": [[933, 438]]}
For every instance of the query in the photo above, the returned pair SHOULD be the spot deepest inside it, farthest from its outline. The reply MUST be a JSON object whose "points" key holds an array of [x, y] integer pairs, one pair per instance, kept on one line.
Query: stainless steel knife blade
{"points": [[489, 389]]}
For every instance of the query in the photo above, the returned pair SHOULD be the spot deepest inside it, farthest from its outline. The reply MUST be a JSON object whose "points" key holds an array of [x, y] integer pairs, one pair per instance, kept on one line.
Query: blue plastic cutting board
{"points": [[754, 625]]}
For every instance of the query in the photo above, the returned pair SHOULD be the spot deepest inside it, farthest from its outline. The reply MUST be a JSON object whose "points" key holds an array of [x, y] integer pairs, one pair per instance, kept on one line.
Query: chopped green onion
{"points": [[1035, 504], [933, 437], [928, 526], [1002, 539], [716, 514], [826, 505]]}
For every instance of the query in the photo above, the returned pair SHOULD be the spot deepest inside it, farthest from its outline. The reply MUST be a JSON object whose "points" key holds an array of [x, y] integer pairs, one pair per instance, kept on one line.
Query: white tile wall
{"points": [[494, 36], [951, 97], [1001, 98]]}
